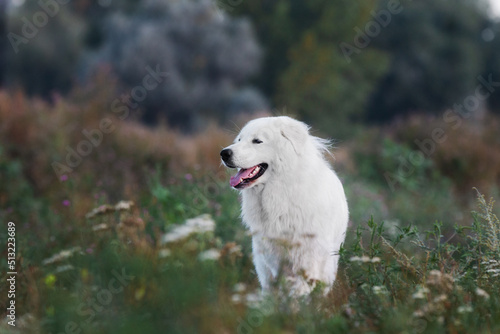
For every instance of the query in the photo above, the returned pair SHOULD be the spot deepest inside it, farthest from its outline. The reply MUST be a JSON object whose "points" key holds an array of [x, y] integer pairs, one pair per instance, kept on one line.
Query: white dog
{"points": [[292, 202]]}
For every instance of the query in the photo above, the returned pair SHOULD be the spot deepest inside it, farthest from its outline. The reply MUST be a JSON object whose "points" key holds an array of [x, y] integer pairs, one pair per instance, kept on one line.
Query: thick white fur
{"points": [[297, 211]]}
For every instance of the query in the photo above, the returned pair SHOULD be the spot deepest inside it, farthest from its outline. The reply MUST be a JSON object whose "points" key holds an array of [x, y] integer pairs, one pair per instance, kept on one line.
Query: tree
{"points": [[3, 39], [44, 47], [436, 53], [307, 67], [208, 57]]}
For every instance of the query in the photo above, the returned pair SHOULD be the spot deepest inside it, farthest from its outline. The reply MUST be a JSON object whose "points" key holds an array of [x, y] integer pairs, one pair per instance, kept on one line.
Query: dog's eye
{"points": [[257, 141]]}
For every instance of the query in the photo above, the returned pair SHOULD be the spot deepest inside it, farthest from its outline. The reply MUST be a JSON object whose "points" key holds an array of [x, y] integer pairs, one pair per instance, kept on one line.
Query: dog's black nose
{"points": [[226, 154]]}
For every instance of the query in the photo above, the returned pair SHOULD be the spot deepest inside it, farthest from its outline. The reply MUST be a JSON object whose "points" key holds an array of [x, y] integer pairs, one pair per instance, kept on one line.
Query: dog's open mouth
{"points": [[245, 177]]}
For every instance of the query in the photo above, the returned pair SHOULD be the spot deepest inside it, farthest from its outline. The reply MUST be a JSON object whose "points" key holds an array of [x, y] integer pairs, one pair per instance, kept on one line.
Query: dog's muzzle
{"points": [[227, 156]]}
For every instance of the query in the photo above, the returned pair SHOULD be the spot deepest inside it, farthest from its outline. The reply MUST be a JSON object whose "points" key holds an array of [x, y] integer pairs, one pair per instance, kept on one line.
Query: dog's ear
{"points": [[295, 132]]}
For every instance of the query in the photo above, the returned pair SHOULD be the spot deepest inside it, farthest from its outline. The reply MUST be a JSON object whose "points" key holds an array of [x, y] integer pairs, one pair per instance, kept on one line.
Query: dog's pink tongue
{"points": [[242, 174]]}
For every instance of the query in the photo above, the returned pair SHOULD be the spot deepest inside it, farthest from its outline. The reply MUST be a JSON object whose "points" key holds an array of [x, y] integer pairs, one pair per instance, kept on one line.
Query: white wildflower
{"points": [[100, 227], [211, 254], [62, 255], [201, 224], [380, 290], [64, 268], [101, 210], [236, 298], [165, 252], [124, 205], [481, 293], [418, 295], [440, 298], [419, 314], [239, 287], [421, 293], [464, 309], [253, 299], [365, 259]]}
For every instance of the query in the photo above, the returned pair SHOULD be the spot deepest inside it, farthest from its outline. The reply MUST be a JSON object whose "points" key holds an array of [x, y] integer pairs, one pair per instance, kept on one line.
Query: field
{"points": [[105, 242]]}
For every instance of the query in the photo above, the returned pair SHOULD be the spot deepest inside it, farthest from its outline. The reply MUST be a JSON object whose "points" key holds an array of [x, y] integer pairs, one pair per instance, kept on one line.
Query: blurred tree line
{"points": [[335, 63]]}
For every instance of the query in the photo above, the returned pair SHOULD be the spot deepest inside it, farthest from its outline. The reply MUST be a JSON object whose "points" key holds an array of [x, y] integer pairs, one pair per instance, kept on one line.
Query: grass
{"points": [[421, 258], [382, 287]]}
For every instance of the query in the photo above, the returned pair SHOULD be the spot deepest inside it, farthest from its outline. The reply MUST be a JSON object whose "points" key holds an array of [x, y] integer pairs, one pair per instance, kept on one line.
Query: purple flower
{"points": [[63, 178], [66, 202], [188, 177]]}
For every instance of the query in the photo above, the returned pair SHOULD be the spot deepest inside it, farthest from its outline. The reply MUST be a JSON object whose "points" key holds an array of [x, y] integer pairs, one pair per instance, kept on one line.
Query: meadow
{"points": [[108, 243]]}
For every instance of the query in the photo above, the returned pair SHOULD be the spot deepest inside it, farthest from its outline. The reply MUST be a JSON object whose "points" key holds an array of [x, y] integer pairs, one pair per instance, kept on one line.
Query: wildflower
{"points": [[421, 293], [440, 298], [481, 293], [365, 259], [440, 281], [492, 267], [464, 309], [103, 209], [62, 255], [100, 227], [140, 292], [380, 290], [236, 298], [419, 314], [50, 280], [239, 287], [199, 224], [63, 178], [124, 205], [164, 252], [211, 254], [418, 295], [188, 177], [64, 268], [66, 202], [253, 299]]}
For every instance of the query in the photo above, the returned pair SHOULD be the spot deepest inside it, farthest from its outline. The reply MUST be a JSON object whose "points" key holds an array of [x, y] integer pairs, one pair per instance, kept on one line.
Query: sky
{"points": [[495, 6]]}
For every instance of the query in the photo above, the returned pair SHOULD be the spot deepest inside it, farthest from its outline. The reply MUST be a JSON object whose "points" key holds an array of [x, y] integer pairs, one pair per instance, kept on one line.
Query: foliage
{"points": [[207, 55], [43, 59], [420, 264], [437, 64], [304, 68]]}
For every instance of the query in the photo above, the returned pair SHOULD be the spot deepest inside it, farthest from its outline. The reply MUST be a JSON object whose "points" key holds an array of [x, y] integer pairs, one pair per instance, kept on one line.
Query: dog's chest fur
{"points": [[267, 214]]}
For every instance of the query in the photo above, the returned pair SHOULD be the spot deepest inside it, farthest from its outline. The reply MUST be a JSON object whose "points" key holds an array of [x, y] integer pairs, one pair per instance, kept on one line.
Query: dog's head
{"points": [[265, 146]]}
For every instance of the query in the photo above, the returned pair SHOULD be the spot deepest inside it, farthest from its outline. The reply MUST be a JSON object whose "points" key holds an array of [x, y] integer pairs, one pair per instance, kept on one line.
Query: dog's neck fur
{"points": [[276, 217]]}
